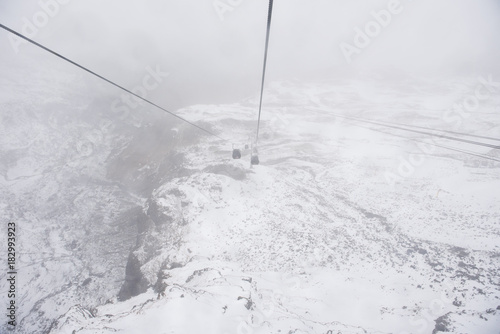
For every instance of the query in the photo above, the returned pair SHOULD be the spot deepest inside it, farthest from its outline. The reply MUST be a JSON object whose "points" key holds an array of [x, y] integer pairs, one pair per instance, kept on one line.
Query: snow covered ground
{"points": [[344, 227]]}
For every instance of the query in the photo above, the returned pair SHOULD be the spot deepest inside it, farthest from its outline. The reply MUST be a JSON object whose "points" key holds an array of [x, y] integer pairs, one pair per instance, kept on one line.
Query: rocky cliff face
{"points": [[74, 176]]}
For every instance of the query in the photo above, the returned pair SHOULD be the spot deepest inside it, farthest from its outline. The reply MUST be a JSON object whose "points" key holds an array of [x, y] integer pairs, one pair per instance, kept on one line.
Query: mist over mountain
{"points": [[374, 207], [214, 53]]}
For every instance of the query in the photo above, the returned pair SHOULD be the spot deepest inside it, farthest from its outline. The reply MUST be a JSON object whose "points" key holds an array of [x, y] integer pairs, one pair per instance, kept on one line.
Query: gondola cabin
{"points": [[236, 154]]}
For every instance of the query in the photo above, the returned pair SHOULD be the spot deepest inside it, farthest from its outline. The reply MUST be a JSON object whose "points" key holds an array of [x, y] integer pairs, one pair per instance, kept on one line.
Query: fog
{"points": [[213, 50], [110, 194]]}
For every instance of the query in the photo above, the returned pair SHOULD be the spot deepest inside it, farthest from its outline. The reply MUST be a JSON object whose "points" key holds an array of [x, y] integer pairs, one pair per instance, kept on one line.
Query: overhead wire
{"points": [[108, 81], [417, 131], [433, 144], [447, 131], [268, 31], [424, 109]]}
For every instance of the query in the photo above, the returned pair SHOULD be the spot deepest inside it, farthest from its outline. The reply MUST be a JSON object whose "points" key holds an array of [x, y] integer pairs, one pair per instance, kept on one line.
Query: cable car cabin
{"points": [[236, 154], [255, 160]]}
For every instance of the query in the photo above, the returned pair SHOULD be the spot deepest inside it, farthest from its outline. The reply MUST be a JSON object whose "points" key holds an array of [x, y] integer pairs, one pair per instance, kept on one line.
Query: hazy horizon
{"points": [[213, 53]]}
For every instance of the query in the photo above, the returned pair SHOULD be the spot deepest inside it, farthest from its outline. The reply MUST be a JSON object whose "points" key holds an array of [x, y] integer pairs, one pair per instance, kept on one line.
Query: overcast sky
{"points": [[213, 49]]}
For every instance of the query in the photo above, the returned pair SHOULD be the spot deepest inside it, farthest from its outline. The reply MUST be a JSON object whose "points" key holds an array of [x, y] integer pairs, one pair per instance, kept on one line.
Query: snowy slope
{"points": [[73, 174], [317, 239]]}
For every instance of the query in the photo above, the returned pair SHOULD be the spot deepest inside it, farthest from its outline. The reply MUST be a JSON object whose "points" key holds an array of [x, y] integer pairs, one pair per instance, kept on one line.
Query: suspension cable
{"points": [[107, 80], [453, 132], [418, 131], [269, 16], [467, 152]]}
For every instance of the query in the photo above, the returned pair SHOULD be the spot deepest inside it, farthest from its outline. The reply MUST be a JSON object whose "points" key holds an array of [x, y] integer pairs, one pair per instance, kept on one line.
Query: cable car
{"points": [[236, 154], [254, 160]]}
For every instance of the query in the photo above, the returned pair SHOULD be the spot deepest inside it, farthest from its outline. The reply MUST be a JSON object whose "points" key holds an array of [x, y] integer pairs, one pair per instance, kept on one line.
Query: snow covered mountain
{"points": [[140, 224]]}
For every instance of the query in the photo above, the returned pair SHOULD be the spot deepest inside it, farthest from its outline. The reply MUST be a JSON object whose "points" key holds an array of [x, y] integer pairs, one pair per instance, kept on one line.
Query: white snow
{"points": [[313, 240]]}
